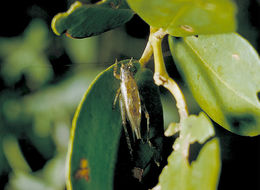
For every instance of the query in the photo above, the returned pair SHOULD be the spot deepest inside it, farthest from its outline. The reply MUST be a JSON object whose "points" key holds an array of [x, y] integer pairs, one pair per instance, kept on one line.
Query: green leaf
{"points": [[96, 132], [187, 17], [85, 20], [201, 173], [222, 72]]}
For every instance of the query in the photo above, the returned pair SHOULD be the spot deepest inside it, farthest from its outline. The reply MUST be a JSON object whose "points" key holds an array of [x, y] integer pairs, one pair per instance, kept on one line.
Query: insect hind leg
{"points": [[118, 92], [124, 123], [147, 116], [115, 71]]}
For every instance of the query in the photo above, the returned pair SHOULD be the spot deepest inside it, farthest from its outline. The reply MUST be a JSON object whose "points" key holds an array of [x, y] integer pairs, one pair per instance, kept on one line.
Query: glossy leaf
{"points": [[222, 72], [96, 133], [187, 17], [201, 172], [84, 20]]}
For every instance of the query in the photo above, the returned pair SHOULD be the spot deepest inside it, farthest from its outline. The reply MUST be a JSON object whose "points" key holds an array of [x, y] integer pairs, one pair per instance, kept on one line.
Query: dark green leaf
{"points": [[96, 133], [222, 72], [200, 173], [187, 17], [84, 20]]}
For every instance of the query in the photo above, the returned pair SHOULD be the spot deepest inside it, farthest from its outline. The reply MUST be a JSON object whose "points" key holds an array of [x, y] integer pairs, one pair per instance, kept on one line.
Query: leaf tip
{"points": [[59, 16], [74, 6], [54, 21]]}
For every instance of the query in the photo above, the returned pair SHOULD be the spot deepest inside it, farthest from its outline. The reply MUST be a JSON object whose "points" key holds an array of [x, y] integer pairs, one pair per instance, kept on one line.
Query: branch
{"points": [[161, 76]]}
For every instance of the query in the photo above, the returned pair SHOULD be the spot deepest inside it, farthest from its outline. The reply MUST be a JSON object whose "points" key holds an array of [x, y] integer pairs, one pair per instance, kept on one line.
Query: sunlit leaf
{"points": [[84, 20], [222, 72], [187, 17], [96, 133], [191, 167]]}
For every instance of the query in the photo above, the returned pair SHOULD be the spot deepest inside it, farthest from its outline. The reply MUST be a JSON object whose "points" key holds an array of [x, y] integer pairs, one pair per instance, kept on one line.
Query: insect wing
{"points": [[131, 98]]}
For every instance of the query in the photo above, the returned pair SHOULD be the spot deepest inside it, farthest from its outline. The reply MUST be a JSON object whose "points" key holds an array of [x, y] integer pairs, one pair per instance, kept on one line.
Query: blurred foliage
{"points": [[24, 55], [43, 78], [37, 101]]}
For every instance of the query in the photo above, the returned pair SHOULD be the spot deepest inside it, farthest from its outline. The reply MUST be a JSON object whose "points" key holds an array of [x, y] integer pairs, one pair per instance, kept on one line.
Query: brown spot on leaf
{"points": [[240, 121], [187, 28], [83, 171]]}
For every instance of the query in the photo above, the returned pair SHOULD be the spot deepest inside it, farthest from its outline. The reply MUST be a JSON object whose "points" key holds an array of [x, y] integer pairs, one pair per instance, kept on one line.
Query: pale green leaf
{"points": [[222, 72], [201, 173], [187, 17]]}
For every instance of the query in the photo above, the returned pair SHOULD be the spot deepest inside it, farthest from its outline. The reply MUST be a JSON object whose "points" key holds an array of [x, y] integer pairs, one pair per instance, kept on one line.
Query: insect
{"points": [[145, 146], [83, 171], [129, 100]]}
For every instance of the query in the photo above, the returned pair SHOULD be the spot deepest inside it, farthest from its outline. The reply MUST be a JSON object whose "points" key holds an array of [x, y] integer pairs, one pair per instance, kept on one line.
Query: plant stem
{"points": [[161, 76], [147, 54]]}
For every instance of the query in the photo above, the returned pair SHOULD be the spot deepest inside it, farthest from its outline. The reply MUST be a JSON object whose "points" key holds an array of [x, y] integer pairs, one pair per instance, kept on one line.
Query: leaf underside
{"points": [[187, 17], [222, 72]]}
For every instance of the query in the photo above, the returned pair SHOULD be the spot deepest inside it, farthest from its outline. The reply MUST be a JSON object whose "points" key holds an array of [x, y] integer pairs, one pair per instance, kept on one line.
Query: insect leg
{"points": [[147, 123], [138, 173], [123, 115], [131, 62], [115, 72], [116, 98]]}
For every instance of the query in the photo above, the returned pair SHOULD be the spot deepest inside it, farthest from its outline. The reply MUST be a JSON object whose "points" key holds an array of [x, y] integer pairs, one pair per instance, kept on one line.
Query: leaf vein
{"points": [[218, 77]]}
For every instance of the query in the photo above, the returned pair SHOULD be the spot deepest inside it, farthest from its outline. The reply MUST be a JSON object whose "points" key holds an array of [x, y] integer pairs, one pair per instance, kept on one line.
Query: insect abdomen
{"points": [[131, 98]]}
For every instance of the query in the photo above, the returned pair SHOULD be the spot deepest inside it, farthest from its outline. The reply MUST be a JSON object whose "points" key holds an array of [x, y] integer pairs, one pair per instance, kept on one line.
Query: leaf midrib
{"points": [[218, 77]]}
